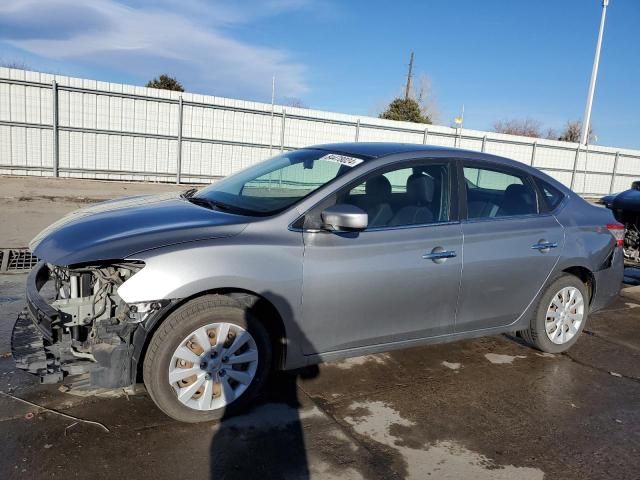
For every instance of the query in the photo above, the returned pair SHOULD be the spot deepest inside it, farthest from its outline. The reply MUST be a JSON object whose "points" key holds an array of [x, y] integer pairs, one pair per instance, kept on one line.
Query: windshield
{"points": [[276, 184]]}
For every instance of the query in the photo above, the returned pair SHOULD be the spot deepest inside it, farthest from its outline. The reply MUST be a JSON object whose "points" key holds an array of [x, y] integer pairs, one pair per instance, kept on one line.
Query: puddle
{"points": [[443, 459]]}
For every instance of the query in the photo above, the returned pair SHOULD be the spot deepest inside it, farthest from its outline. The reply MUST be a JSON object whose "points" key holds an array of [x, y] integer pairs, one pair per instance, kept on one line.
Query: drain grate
{"points": [[16, 260]]}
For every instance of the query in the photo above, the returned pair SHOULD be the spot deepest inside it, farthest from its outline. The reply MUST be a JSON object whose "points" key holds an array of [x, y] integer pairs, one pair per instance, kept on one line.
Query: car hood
{"points": [[120, 228]]}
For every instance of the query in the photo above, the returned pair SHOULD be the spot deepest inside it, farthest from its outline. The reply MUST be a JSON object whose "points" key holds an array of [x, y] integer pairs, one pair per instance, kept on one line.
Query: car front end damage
{"points": [[75, 323]]}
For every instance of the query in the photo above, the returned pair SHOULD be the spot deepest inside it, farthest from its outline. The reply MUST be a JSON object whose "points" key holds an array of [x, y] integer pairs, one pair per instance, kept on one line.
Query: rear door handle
{"points": [[439, 255], [543, 246]]}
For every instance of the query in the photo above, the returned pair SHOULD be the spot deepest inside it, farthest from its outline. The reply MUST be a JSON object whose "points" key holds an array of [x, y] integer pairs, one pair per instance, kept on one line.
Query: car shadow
{"points": [[267, 440]]}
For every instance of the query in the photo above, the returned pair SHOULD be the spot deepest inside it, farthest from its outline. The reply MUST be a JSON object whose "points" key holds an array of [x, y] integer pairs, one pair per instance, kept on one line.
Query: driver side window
{"points": [[415, 194]]}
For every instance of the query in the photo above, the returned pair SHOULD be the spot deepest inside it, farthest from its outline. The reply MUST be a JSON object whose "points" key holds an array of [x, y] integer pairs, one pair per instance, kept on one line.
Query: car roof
{"points": [[377, 149], [372, 150]]}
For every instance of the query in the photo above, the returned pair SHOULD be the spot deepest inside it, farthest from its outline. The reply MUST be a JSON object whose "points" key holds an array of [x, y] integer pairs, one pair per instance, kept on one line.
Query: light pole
{"points": [[594, 75], [458, 122], [586, 121], [273, 101]]}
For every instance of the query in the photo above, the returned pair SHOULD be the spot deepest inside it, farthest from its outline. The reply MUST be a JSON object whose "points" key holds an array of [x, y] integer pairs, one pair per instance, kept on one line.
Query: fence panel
{"points": [[124, 132]]}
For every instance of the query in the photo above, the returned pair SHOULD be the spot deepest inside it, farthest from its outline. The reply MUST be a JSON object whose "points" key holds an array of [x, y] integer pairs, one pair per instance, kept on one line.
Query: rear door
{"points": [[509, 247]]}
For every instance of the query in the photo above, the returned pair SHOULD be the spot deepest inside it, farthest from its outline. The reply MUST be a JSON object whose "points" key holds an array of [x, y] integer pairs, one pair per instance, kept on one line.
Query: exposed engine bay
{"points": [[626, 209], [85, 326]]}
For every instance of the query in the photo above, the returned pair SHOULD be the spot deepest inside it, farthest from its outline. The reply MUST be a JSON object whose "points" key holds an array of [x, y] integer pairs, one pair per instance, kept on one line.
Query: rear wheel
{"points": [[560, 317], [209, 358]]}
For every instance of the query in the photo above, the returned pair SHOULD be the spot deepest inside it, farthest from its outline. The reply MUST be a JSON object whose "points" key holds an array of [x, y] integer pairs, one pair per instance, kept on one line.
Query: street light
{"points": [[594, 75], [458, 122], [586, 121]]}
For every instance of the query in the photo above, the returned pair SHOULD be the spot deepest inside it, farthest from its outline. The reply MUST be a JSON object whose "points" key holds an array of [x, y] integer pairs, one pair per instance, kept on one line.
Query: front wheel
{"points": [[209, 358], [560, 317]]}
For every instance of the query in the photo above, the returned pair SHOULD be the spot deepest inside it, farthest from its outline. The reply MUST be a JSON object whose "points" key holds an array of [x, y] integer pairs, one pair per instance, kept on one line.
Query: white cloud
{"points": [[189, 39]]}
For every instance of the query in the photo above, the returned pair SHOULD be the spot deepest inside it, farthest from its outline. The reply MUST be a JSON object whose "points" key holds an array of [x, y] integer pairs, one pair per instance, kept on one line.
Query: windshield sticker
{"points": [[342, 159]]}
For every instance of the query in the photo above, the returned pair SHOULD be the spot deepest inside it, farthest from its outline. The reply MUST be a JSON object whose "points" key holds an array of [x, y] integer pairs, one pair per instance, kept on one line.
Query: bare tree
{"points": [[552, 134], [573, 132], [294, 102], [526, 128], [532, 128], [15, 64], [422, 92]]}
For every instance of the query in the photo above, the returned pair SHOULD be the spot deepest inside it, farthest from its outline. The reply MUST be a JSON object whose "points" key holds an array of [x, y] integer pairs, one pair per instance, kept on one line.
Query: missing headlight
{"points": [[139, 312]]}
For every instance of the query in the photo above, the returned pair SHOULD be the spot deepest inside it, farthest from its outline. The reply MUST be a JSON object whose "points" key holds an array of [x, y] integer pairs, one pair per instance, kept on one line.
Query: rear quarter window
{"points": [[552, 197]]}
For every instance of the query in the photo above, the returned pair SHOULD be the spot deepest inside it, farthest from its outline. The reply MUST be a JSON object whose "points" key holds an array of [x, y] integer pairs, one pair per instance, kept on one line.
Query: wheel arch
{"points": [[585, 275], [260, 306]]}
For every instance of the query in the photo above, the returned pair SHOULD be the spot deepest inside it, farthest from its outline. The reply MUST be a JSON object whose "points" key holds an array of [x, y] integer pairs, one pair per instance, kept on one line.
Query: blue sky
{"points": [[502, 59]]}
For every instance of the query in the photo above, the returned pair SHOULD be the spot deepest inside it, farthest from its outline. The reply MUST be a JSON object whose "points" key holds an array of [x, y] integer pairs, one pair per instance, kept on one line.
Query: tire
{"points": [[536, 335], [162, 359]]}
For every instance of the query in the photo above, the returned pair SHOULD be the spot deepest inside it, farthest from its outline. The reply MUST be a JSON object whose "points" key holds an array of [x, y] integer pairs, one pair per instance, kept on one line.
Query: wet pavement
{"points": [[489, 409]]}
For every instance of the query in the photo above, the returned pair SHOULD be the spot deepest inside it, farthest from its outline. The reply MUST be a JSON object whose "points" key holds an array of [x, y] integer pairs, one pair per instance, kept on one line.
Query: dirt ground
{"points": [[29, 204], [485, 409]]}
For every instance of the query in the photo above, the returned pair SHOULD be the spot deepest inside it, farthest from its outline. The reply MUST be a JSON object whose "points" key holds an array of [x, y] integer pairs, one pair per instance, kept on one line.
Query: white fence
{"points": [[70, 127]]}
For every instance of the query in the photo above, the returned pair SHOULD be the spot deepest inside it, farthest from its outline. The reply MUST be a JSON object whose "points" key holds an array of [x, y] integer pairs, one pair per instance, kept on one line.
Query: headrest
{"points": [[378, 187], [420, 188], [516, 192]]}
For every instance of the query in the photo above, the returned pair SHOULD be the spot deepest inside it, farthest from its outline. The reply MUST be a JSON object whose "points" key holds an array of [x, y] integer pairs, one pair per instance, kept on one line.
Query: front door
{"points": [[399, 279]]}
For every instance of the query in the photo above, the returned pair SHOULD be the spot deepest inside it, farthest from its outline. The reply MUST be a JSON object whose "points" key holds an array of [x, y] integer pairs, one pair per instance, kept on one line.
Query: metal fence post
{"points": [[424, 136], [484, 144], [179, 151], [357, 130], [56, 139], [615, 171], [284, 117], [533, 153], [575, 167]]}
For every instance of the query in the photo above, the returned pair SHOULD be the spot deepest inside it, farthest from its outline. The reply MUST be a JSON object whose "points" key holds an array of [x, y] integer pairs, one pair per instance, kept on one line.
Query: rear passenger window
{"points": [[552, 196], [493, 193]]}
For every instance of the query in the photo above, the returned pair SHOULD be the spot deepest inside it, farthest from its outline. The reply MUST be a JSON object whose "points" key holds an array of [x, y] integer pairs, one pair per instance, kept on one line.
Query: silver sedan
{"points": [[317, 254]]}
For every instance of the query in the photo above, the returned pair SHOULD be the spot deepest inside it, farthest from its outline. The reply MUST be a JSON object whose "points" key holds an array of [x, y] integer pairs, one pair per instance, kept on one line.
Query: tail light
{"points": [[617, 230]]}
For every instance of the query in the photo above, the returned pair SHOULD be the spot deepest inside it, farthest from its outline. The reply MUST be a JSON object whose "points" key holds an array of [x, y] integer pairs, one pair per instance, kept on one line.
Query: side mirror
{"points": [[344, 217]]}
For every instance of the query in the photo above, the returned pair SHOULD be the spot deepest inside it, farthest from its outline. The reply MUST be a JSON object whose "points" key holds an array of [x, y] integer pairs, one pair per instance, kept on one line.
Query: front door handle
{"points": [[543, 246], [439, 255]]}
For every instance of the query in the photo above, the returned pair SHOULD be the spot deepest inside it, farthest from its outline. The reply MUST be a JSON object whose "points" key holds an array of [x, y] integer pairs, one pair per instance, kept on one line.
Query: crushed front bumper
{"points": [[44, 345], [29, 354], [42, 314], [32, 331]]}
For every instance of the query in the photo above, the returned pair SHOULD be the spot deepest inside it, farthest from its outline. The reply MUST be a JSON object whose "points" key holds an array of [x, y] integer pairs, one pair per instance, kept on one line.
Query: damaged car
{"points": [[317, 254]]}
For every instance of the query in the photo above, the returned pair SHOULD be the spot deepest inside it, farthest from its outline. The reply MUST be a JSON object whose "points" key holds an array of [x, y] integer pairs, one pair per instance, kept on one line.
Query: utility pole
{"points": [[408, 87], [594, 75]]}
